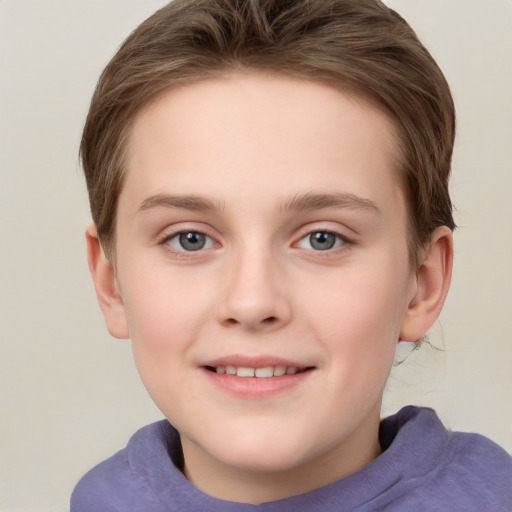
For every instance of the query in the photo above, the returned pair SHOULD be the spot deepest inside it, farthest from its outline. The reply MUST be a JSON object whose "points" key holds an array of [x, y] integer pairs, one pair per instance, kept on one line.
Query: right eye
{"points": [[189, 241]]}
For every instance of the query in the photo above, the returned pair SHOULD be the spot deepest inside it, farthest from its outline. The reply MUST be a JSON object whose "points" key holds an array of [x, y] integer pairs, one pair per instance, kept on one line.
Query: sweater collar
{"points": [[412, 442]]}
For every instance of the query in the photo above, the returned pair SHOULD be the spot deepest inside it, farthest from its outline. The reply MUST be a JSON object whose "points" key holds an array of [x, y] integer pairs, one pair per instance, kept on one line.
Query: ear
{"points": [[432, 281], [103, 275]]}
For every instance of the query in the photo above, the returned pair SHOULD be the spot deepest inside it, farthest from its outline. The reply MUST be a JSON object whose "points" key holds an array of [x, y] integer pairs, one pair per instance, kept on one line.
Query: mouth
{"points": [[265, 372], [256, 377]]}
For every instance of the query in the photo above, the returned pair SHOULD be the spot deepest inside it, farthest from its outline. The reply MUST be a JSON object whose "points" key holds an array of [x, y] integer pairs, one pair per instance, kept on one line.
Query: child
{"points": [[268, 181]]}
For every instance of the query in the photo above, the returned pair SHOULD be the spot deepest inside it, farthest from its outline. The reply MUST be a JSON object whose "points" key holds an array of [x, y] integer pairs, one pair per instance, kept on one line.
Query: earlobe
{"points": [[433, 278], [103, 275]]}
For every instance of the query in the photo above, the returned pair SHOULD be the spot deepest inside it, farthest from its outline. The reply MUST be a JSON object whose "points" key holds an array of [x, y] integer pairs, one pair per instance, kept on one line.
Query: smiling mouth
{"points": [[265, 372]]}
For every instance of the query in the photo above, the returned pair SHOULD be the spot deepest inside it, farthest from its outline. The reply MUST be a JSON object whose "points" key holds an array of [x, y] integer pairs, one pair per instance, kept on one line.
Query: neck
{"points": [[247, 485]]}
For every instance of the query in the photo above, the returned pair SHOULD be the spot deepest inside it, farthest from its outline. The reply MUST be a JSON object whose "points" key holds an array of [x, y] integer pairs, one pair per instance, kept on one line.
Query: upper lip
{"points": [[253, 362]]}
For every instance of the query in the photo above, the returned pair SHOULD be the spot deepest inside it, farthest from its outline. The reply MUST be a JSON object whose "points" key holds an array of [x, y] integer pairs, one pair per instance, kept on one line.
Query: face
{"points": [[263, 273]]}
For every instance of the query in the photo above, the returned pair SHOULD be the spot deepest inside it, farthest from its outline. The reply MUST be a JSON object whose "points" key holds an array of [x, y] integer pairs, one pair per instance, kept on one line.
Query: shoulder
{"points": [[102, 485], [454, 470], [484, 467], [121, 482]]}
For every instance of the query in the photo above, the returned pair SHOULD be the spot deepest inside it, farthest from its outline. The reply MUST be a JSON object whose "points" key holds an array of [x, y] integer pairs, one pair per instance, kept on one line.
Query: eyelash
{"points": [[340, 241]]}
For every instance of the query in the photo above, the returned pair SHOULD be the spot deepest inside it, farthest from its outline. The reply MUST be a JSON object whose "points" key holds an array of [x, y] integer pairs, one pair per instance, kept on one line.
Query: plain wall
{"points": [[70, 395]]}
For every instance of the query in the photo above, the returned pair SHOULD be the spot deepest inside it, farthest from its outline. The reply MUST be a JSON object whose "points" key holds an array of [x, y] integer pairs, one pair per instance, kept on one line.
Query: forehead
{"points": [[231, 131]]}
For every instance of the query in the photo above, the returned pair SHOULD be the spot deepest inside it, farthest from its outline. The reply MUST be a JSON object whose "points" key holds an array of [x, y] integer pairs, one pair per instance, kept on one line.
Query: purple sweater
{"points": [[423, 467]]}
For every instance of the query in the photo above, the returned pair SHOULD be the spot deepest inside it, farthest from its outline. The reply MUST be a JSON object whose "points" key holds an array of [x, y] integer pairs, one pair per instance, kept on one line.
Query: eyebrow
{"points": [[192, 202], [312, 201], [307, 201]]}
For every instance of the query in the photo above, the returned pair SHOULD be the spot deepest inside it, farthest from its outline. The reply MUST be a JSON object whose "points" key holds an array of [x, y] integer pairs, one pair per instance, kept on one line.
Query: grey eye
{"points": [[188, 241], [321, 241], [192, 241]]}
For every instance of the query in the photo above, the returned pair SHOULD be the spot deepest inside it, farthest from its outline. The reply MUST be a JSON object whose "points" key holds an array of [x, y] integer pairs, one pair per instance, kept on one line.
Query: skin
{"points": [[239, 158]]}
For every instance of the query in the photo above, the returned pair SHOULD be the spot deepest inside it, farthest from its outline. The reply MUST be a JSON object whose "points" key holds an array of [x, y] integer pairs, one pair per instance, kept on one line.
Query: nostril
{"points": [[252, 323]]}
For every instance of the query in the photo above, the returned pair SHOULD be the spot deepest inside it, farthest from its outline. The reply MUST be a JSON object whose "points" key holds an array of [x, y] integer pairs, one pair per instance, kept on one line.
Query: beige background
{"points": [[70, 395]]}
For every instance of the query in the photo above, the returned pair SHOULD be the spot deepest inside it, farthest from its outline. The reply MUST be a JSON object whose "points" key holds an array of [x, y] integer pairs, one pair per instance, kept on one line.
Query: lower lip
{"points": [[257, 387]]}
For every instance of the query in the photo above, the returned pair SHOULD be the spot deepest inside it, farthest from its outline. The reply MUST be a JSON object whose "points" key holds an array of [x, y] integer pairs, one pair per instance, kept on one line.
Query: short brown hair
{"points": [[361, 44]]}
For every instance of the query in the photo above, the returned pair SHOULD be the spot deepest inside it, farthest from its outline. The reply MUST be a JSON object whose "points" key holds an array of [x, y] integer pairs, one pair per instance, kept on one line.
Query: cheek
{"points": [[360, 303], [157, 324], [161, 324], [163, 308], [358, 323]]}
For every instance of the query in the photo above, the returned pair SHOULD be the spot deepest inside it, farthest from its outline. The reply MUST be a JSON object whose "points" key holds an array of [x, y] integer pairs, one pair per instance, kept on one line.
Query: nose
{"points": [[254, 295]]}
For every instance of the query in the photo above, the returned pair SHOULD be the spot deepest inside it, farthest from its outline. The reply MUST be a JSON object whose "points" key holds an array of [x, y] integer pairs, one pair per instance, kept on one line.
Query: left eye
{"points": [[321, 241], [190, 241]]}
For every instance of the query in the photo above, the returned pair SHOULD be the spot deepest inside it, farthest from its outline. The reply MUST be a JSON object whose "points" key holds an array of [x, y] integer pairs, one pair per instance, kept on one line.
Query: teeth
{"points": [[264, 372], [268, 371], [244, 372], [279, 370]]}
